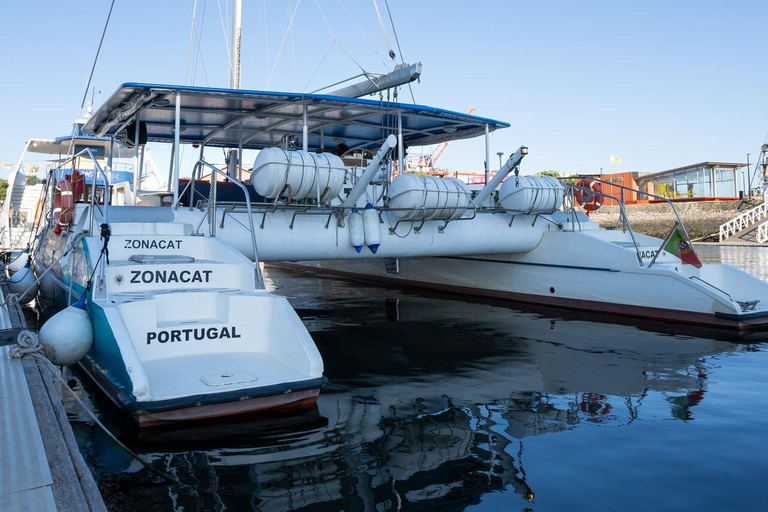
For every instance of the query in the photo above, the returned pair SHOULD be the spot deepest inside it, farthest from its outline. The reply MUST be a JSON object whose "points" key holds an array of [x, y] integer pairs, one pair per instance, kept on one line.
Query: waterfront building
{"points": [[704, 180]]}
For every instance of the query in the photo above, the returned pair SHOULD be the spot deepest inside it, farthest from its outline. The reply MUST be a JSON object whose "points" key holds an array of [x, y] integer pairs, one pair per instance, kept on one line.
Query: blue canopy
{"points": [[224, 117]]}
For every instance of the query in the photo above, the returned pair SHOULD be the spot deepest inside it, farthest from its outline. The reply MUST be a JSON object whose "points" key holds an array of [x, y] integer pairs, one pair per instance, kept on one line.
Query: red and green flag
{"points": [[678, 245]]}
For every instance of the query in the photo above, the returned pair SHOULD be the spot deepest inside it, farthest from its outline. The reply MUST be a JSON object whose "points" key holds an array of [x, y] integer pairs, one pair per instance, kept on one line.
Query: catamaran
{"points": [[183, 327]]}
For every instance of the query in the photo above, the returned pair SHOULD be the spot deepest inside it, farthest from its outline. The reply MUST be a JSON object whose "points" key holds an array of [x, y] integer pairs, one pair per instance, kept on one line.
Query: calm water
{"points": [[438, 404]]}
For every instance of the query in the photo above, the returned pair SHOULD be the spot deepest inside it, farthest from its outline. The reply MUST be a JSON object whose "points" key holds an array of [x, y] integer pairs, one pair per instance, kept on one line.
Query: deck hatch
{"points": [[226, 379]]}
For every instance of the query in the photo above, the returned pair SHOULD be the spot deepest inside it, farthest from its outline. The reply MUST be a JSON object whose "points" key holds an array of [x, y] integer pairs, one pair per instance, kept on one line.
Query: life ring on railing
{"points": [[63, 204], [589, 194]]}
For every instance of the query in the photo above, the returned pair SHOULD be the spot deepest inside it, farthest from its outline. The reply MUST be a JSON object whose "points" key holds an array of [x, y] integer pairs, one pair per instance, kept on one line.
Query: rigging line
{"points": [[336, 41], [318, 66], [394, 31], [384, 31], [93, 68], [266, 42], [282, 44], [255, 45], [200, 58], [226, 40], [293, 53], [193, 10], [198, 39], [397, 40], [361, 32]]}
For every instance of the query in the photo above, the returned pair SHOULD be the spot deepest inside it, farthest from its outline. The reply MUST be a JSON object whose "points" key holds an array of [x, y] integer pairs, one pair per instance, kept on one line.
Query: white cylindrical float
{"points": [[18, 262], [356, 234], [531, 194], [298, 174], [372, 228], [68, 335], [414, 197], [24, 283]]}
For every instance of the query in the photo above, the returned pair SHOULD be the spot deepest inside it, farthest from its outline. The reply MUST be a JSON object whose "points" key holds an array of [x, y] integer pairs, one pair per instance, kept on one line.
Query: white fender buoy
{"points": [[356, 235], [372, 228], [18, 262], [68, 335], [24, 284]]}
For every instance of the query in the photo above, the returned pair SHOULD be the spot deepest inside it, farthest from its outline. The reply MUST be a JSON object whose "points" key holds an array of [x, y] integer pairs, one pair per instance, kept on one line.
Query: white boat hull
{"points": [[182, 330], [585, 270]]}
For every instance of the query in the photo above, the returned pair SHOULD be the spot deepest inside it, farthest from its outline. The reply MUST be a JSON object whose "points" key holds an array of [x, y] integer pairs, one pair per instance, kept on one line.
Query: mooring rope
{"points": [[28, 344]]}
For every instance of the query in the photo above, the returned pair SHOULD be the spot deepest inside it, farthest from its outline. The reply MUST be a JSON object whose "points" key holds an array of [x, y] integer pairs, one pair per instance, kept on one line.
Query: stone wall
{"points": [[701, 218]]}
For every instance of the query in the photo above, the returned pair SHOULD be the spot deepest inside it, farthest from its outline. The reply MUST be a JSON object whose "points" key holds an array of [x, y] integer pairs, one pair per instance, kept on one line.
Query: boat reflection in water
{"points": [[431, 405]]}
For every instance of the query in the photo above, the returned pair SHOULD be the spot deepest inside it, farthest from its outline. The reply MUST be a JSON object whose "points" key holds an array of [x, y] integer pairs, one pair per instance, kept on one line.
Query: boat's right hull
{"points": [[581, 272]]}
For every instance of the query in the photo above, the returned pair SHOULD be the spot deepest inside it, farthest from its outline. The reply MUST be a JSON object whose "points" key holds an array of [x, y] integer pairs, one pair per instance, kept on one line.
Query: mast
{"points": [[234, 156], [237, 13]]}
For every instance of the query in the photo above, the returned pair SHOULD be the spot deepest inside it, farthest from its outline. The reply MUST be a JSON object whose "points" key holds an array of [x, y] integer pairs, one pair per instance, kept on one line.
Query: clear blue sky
{"points": [[660, 84]]}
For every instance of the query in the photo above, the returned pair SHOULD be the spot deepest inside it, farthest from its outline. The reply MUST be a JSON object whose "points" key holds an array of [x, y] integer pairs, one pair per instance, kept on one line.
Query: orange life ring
{"points": [[589, 194], [63, 204], [595, 404]]}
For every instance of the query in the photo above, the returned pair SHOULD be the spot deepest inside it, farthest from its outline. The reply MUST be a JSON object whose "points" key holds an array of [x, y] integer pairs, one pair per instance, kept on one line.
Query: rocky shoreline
{"points": [[702, 219]]}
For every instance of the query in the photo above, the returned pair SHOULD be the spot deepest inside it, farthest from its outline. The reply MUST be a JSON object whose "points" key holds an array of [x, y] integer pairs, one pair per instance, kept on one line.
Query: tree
{"points": [[554, 174], [3, 189]]}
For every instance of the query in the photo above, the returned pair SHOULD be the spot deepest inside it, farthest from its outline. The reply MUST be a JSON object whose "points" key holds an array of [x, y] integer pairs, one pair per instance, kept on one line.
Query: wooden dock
{"points": [[41, 468], [12, 320]]}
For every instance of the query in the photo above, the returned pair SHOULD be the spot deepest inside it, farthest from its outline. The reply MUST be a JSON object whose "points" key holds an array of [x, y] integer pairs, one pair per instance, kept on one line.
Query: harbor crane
{"points": [[427, 163]]}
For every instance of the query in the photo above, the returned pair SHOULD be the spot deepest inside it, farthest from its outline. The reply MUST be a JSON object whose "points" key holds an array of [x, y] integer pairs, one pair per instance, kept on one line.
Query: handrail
{"points": [[648, 194], [93, 190], [762, 233], [92, 213], [662, 198], [743, 221], [573, 187], [697, 278], [97, 167], [237, 182]]}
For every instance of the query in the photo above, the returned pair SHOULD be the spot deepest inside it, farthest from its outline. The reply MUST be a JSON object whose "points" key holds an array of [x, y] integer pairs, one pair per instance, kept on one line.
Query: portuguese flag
{"points": [[679, 246]]}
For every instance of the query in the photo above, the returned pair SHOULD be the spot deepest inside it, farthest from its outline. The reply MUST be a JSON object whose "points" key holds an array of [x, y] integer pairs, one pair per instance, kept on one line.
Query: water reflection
{"points": [[431, 404], [753, 260]]}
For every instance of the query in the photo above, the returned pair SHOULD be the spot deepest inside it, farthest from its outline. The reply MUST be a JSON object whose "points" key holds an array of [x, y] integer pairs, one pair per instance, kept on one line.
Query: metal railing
{"points": [[196, 174], [624, 218], [97, 167], [622, 188], [762, 233], [93, 203], [744, 221], [570, 196]]}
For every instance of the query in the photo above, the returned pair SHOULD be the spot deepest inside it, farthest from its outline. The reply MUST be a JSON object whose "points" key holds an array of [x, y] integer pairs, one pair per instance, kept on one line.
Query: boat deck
{"points": [[207, 374]]}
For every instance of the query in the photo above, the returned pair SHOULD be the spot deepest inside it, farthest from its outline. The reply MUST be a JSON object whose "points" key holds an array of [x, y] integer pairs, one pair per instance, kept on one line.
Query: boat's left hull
{"points": [[269, 401], [180, 334]]}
